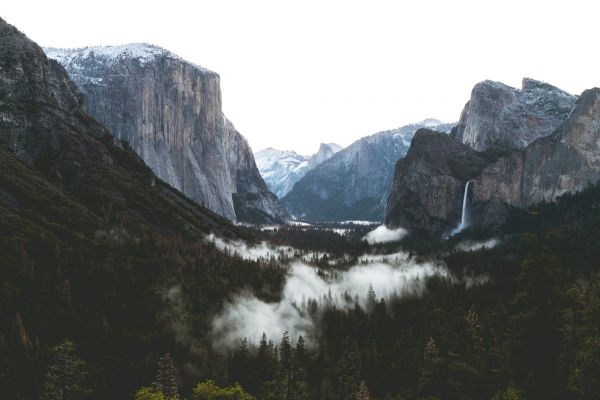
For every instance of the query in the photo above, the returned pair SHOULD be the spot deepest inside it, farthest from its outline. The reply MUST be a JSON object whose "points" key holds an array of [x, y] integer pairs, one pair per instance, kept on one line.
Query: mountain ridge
{"points": [[281, 169], [354, 183]]}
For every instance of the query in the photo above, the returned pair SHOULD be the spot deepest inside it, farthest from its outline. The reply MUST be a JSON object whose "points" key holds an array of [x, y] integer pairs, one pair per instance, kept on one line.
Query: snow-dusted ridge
{"points": [[281, 169], [143, 52]]}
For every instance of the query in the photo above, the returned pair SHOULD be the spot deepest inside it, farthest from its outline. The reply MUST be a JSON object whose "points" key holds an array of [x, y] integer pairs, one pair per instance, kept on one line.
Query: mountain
{"points": [[169, 111], [354, 183], [498, 114], [516, 171], [326, 150], [98, 254], [281, 169]]}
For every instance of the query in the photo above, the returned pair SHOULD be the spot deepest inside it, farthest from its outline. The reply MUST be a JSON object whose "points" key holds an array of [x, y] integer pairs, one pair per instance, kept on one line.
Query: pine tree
{"points": [[300, 350], [363, 392], [166, 378], [65, 377], [349, 372], [371, 298]]}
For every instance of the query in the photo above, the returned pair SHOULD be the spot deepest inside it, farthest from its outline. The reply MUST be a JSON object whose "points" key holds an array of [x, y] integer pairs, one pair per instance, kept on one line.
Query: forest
{"points": [[117, 308]]}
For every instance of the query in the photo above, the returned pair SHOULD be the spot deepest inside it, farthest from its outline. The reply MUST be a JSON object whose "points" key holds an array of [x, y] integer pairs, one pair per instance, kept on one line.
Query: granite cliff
{"points": [[522, 168], [169, 111], [498, 114]]}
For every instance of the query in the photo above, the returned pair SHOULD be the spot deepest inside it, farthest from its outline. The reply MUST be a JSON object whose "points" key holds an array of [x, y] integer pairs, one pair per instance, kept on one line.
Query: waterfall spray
{"points": [[464, 219]]}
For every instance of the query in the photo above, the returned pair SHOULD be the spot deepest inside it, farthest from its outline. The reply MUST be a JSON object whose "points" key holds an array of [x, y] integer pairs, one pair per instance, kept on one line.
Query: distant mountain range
{"points": [[354, 183], [169, 111], [281, 169]]}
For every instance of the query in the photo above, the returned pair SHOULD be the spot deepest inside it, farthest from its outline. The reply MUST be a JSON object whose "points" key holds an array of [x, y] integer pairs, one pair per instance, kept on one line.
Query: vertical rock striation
{"points": [[169, 111]]}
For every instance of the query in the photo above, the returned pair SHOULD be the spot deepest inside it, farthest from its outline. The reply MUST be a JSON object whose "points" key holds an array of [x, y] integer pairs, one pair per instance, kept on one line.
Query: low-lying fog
{"points": [[309, 289]]}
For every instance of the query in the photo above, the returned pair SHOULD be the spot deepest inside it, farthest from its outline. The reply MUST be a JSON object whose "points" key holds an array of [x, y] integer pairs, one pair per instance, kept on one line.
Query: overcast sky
{"points": [[297, 73]]}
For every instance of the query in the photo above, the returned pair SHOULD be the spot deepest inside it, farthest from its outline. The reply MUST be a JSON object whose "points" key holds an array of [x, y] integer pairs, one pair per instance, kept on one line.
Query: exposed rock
{"points": [[169, 111], [425, 194], [43, 122], [429, 182], [326, 150], [281, 169], [355, 182], [500, 115]]}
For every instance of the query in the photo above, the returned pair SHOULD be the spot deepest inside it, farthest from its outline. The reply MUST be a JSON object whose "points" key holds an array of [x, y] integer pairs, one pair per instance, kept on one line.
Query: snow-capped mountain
{"points": [[281, 169], [354, 183]]}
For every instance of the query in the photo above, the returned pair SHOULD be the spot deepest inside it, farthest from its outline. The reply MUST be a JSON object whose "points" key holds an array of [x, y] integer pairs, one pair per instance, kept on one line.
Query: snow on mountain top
{"points": [[143, 52]]}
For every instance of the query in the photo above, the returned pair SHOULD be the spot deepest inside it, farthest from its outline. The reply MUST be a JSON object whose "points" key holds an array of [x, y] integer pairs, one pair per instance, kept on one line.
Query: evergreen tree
{"points": [[363, 392], [371, 298], [349, 372], [65, 377], [534, 334], [286, 362], [166, 378]]}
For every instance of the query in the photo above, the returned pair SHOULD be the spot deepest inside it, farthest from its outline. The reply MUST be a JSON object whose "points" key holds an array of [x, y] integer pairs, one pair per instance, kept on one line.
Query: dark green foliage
{"points": [[66, 376], [208, 390]]}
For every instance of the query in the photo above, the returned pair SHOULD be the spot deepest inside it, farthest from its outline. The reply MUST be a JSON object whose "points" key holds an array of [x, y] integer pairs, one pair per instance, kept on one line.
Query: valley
{"points": [[147, 252]]}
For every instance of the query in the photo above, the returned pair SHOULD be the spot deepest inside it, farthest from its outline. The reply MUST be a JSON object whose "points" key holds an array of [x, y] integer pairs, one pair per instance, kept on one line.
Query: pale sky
{"points": [[298, 73]]}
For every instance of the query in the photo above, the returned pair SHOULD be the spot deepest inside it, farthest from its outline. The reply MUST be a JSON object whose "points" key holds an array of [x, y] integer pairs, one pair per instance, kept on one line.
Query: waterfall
{"points": [[464, 221]]}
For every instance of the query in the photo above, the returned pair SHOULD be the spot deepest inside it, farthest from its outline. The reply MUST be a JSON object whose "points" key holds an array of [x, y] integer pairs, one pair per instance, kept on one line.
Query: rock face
{"points": [[499, 115], [426, 192], [43, 123], [326, 150], [281, 169], [429, 182], [354, 183], [169, 111]]}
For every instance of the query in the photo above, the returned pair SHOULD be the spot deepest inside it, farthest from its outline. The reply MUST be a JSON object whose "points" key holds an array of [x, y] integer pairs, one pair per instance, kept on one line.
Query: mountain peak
{"points": [[498, 114]]}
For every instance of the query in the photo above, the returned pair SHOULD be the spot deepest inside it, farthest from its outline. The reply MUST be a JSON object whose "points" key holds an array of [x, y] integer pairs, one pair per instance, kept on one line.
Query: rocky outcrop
{"points": [[326, 150], [355, 182], [564, 161], [169, 111], [499, 115], [429, 182], [281, 169], [43, 123]]}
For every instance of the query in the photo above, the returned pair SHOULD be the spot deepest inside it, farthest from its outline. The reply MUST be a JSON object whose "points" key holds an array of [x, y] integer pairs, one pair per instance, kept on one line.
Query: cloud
{"points": [[248, 316], [383, 234]]}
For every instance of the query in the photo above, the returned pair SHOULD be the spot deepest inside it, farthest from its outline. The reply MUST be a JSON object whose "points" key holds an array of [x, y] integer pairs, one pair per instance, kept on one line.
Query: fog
{"points": [[248, 252], [383, 234], [474, 246], [247, 316]]}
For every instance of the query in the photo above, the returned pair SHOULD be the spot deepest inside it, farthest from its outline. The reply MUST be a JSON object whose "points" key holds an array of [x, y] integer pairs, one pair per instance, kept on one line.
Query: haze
{"points": [[294, 74]]}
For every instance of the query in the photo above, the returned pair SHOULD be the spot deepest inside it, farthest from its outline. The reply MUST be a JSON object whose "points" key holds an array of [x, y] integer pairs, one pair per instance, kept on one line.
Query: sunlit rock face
{"points": [[169, 111]]}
